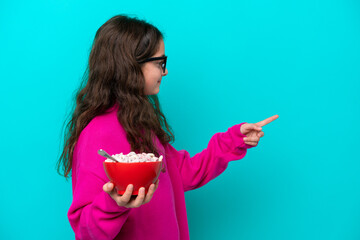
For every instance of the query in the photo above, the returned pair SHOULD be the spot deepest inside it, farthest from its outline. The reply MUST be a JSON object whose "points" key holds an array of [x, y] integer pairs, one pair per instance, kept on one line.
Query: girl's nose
{"points": [[165, 73]]}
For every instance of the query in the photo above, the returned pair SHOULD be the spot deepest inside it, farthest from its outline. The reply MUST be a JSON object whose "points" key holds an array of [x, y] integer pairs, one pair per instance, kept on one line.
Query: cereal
{"points": [[132, 157]]}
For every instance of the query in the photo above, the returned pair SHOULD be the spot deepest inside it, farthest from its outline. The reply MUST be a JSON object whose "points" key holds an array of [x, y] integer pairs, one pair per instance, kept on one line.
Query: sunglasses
{"points": [[163, 64]]}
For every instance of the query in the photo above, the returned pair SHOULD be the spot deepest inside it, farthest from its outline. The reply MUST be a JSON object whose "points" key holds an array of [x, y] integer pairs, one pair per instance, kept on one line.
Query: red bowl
{"points": [[139, 174]]}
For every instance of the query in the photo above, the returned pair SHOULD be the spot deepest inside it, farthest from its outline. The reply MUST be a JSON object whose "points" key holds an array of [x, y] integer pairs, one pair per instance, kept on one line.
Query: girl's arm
{"points": [[196, 171], [93, 213]]}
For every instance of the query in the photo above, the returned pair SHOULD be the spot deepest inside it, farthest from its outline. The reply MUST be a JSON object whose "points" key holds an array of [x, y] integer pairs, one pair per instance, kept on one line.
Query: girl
{"points": [[118, 110]]}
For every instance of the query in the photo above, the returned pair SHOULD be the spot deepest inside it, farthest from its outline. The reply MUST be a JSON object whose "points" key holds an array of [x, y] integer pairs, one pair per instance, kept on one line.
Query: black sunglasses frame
{"points": [[155, 59]]}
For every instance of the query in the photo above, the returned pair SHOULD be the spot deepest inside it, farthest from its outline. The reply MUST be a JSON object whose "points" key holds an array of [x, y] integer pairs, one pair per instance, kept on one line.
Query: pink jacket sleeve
{"points": [[198, 170], [93, 214]]}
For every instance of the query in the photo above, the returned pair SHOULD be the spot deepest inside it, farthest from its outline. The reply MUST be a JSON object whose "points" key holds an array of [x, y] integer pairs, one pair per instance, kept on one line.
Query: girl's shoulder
{"points": [[104, 126], [102, 132]]}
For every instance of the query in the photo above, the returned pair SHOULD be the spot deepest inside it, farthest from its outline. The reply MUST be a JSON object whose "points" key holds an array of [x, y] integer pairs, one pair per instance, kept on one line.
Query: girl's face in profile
{"points": [[153, 72]]}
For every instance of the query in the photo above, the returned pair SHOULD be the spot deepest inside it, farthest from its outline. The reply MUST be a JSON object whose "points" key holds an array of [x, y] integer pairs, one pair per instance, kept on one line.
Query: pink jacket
{"points": [[93, 214]]}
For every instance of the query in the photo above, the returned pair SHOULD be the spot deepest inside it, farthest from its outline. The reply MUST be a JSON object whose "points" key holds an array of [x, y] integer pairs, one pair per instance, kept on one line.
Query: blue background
{"points": [[229, 62]]}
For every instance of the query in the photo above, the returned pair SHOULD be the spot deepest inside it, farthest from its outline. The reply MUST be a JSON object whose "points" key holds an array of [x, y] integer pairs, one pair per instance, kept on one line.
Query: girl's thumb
{"points": [[257, 128], [108, 187]]}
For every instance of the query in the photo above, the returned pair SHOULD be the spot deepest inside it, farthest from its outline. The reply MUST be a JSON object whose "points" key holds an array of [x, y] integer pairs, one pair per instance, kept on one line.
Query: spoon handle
{"points": [[105, 154]]}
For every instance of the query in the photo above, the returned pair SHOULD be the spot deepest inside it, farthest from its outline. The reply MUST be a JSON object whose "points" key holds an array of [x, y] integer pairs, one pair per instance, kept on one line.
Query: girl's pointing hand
{"points": [[253, 131]]}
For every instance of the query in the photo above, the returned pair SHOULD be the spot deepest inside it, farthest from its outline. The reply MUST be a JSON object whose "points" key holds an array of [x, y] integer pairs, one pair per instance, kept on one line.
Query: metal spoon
{"points": [[105, 154]]}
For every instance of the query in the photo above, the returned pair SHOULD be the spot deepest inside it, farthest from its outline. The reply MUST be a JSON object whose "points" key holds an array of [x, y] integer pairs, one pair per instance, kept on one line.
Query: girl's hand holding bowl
{"points": [[127, 199], [133, 178]]}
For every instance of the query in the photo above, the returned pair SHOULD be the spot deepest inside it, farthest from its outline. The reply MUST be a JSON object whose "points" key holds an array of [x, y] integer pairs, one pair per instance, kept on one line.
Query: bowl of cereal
{"points": [[140, 170]]}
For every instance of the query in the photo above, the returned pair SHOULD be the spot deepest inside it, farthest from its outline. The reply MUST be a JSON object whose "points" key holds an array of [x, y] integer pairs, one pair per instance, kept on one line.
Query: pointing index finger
{"points": [[267, 121]]}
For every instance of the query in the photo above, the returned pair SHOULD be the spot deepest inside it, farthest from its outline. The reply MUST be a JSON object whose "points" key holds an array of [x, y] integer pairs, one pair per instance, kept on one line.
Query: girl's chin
{"points": [[154, 92]]}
